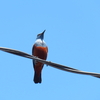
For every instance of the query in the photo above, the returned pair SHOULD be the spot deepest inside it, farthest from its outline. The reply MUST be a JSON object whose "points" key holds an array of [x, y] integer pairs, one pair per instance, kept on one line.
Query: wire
{"points": [[55, 65]]}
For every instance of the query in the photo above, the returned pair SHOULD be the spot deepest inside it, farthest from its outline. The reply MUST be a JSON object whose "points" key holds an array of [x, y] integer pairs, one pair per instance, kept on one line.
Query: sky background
{"points": [[73, 38]]}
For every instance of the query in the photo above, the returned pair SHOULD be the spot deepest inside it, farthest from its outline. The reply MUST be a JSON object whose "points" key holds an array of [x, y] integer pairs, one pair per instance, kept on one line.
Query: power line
{"points": [[55, 65]]}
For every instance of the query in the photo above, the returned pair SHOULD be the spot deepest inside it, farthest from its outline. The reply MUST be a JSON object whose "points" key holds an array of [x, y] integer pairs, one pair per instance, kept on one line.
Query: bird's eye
{"points": [[38, 35]]}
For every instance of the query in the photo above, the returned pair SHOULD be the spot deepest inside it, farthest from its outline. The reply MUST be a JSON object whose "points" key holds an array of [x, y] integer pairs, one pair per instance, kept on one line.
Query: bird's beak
{"points": [[42, 35], [43, 32]]}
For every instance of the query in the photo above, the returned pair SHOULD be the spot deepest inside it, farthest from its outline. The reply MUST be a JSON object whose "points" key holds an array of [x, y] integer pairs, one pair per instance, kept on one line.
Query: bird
{"points": [[39, 50]]}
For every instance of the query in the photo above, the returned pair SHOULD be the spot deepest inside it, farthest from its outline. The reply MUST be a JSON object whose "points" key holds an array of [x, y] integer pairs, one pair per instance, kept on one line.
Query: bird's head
{"points": [[41, 35]]}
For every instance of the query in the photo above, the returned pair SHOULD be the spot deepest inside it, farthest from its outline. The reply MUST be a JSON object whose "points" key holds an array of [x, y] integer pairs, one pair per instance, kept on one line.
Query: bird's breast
{"points": [[40, 51]]}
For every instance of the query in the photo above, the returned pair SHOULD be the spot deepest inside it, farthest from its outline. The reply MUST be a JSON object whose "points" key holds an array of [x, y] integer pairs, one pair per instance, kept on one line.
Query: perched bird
{"points": [[40, 50]]}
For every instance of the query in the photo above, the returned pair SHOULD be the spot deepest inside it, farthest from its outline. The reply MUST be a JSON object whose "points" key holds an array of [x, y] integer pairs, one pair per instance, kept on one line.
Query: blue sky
{"points": [[73, 38]]}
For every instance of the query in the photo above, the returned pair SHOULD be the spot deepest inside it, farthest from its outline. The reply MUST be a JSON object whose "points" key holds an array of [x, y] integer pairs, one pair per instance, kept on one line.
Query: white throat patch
{"points": [[41, 43]]}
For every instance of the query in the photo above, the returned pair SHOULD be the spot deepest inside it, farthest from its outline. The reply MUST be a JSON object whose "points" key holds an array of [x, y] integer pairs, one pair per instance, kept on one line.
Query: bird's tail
{"points": [[37, 78]]}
